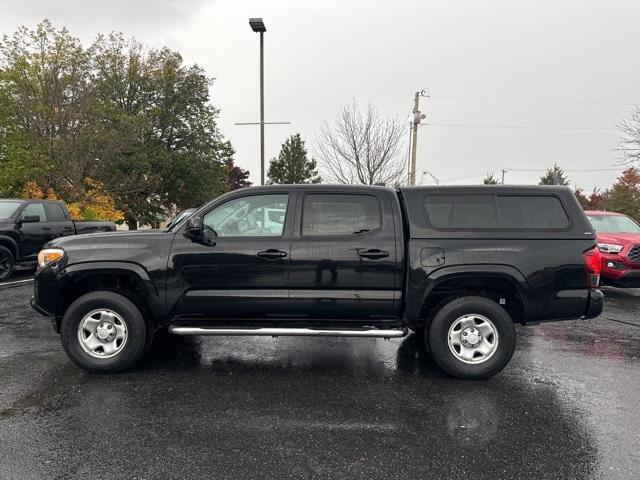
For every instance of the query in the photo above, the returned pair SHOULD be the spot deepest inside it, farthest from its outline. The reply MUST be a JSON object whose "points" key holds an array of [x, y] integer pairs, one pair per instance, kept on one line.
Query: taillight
{"points": [[592, 263]]}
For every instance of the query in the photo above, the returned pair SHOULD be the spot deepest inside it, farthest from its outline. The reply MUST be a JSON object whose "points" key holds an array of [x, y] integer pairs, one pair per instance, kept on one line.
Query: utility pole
{"points": [[503, 172], [417, 117]]}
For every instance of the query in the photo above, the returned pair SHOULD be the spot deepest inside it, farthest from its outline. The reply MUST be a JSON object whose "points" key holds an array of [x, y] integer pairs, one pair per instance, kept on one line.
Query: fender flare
{"points": [[13, 245], [478, 269], [150, 291], [435, 278]]}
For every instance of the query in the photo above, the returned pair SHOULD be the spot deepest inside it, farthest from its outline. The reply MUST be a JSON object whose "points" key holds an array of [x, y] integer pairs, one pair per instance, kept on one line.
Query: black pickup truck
{"points": [[459, 265], [26, 225]]}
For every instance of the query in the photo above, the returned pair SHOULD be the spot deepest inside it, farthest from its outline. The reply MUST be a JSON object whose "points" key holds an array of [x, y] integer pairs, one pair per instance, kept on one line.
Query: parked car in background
{"points": [[457, 265], [619, 244], [26, 225]]}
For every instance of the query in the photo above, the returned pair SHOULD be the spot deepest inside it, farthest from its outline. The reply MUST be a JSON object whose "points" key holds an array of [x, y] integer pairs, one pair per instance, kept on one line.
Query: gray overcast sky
{"points": [[320, 54]]}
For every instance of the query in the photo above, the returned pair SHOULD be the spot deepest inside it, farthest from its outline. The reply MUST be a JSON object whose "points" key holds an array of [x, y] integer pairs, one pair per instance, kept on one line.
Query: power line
{"points": [[531, 170], [566, 170], [521, 100], [519, 127]]}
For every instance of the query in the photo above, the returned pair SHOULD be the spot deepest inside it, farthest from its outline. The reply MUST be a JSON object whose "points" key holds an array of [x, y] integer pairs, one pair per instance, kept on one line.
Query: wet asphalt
{"points": [[567, 406]]}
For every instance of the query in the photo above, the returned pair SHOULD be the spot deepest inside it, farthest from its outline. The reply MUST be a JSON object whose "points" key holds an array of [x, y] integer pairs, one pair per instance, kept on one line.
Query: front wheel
{"points": [[103, 332], [472, 338], [7, 263]]}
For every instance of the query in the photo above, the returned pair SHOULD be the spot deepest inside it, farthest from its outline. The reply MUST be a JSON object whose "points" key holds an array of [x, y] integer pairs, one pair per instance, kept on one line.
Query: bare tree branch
{"points": [[361, 147], [630, 140]]}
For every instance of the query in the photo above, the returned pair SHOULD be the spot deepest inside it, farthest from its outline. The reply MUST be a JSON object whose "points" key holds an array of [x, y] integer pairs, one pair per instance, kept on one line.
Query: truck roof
{"points": [[444, 188], [316, 186], [535, 189]]}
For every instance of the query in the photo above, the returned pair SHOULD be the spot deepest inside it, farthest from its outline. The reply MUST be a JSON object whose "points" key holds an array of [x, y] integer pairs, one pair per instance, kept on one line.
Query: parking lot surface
{"points": [[566, 407]]}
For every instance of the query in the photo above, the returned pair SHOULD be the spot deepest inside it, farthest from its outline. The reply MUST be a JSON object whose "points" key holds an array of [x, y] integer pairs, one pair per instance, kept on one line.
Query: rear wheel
{"points": [[472, 338], [7, 263], [103, 332]]}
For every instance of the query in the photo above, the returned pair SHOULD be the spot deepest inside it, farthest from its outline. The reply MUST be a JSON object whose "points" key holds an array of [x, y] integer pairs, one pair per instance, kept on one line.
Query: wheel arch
{"points": [[128, 279], [502, 285], [11, 244]]}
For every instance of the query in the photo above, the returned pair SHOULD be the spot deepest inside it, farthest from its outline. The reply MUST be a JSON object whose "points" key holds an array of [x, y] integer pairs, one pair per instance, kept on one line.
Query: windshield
{"points": [[8, 208], [613, 224]]}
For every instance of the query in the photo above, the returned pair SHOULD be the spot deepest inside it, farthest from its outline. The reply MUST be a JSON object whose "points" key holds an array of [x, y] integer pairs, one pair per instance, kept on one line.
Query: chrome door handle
{"points": [[272, 254], [373, 254]]}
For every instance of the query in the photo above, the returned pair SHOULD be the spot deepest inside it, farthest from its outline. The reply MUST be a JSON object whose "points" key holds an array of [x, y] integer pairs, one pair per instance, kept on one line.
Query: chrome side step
{"points": [[296, 332]]}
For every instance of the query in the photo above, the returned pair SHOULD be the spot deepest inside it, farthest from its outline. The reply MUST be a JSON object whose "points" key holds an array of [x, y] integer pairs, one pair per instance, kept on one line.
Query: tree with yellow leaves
{"points": [[93, 204]]}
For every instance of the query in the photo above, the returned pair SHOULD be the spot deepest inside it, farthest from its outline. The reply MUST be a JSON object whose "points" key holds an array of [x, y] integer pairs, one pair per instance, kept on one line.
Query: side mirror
{"points": [[30, 219], [193, 228]]}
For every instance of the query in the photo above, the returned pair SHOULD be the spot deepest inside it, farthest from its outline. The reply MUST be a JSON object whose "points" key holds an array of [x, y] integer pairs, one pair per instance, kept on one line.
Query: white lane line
{"points": [[18, 282]]}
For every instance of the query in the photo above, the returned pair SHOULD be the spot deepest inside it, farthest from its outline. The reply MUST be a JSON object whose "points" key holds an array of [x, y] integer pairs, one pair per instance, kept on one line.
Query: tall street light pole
{"points": [[257, 25]]}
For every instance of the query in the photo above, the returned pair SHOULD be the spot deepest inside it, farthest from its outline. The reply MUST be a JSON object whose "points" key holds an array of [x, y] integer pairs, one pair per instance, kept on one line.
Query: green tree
{"points": [[177, 152], [293, 164], [490, 179], [138, 122], [554, 176], [46, 112], [624, 195]]}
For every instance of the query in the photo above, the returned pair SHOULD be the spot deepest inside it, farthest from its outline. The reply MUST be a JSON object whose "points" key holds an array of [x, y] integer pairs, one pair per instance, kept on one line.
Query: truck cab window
{"points": [[55, 212], [328, 214], [34, 209], [254, 216]]}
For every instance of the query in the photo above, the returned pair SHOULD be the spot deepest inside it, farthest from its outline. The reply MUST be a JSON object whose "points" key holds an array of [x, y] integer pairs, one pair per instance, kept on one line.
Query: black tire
{"points": [[7, 263], [136, 332], [438, 338]]}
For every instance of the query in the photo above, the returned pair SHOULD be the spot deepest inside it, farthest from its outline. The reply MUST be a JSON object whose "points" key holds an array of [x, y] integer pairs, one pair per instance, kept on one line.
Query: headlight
{"points": [[48, 255], [609, 248]]}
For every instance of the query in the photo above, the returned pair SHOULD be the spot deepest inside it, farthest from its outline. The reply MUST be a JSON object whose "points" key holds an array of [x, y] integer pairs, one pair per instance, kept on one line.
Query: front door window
{"points": [[254, 216]]}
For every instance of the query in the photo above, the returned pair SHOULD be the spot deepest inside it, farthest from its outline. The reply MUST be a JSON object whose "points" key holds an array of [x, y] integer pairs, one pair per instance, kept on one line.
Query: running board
{"points": [[296, 332]]}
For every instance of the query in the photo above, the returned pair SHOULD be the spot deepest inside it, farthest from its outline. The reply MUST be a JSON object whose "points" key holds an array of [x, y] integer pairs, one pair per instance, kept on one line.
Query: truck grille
{"points": [[634, 254]]}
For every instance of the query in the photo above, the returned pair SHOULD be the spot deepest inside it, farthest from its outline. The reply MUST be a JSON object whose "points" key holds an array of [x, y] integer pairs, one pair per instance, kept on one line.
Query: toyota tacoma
{"points": [[458, 265]]}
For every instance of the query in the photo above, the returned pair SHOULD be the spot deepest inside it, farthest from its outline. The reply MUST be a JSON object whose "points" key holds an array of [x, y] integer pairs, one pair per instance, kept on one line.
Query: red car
{"points": [[619, 245]]}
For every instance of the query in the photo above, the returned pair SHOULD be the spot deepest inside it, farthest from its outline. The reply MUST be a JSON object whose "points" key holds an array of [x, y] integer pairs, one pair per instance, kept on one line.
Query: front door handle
{"points": [[373, 254], [272, 254], [46, 228]]}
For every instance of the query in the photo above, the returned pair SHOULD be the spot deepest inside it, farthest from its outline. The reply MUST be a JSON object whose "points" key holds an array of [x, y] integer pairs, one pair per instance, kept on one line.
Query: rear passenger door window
{"points": [[340, 215], [55, 213]]}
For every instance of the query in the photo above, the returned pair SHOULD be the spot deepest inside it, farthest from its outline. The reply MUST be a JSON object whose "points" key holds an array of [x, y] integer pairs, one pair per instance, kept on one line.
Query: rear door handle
{"points": [[272, 254], [46, 228], [373, 254]]}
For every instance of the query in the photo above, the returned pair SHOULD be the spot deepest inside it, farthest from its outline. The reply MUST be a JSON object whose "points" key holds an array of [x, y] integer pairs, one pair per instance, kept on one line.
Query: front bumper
{"points": [[618, 271], [45, 294], [38, 308], [622, 278]]}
